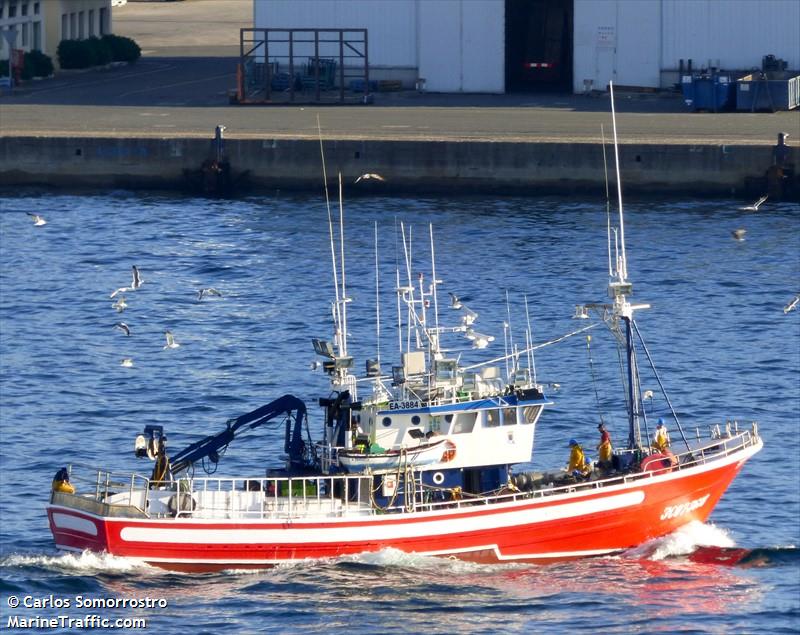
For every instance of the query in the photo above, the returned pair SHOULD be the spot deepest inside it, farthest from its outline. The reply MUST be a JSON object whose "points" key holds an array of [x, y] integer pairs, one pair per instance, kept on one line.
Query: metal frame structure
{"points": [[303, 66]]}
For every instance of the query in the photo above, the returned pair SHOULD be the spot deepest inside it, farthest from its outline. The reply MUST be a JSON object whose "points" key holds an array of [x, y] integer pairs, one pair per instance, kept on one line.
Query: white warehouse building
{"points": [[496, 46]]}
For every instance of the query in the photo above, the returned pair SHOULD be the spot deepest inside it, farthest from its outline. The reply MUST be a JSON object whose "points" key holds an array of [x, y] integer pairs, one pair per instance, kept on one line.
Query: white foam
{"points": [[390, 557], [683, 541], [84, 562]]}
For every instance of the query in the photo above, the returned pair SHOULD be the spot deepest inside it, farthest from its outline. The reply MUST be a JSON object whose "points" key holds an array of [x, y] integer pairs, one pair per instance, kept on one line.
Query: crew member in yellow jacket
{"points": [[61, 482], [604, 449], [661, 441], [577, 460]]}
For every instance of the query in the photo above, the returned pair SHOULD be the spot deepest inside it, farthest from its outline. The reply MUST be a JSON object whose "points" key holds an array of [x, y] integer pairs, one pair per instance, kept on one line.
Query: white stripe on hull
{"points": [[367, 533], [71, 522]]}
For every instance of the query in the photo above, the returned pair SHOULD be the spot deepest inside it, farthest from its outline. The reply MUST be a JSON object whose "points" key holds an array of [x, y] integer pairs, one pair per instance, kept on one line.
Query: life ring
{"points": [[181, 502], [437, 478], [449, 451]]}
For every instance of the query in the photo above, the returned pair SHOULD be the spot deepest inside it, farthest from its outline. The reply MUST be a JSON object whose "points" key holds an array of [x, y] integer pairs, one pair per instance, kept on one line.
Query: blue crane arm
{"points": [[211, 445]]}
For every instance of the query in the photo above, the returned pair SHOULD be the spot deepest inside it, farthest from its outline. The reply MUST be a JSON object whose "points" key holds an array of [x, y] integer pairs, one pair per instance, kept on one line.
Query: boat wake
{"points": [[80, 563], [707, 544]]}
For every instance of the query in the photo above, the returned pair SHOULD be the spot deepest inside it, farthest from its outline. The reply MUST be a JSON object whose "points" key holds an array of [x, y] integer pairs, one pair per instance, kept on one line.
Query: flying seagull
{"points": [[469, 316], [37, 220], [455, 302], [127, 362], [370, 176], [478, 339], [206, 292], [754, 207], [171, 343], [738, 234], [120, 305], [792, 304], [123, 327], [136, 282]]}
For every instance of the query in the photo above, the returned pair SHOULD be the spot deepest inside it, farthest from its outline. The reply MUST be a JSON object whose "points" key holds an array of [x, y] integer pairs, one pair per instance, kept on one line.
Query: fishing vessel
{"points": [[423, 456]]}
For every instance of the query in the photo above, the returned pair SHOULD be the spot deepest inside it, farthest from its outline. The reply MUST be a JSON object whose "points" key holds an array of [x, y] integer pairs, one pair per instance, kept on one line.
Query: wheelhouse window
{"points": [[530, 413], [509, 416], [492, 418], [464, 422]]}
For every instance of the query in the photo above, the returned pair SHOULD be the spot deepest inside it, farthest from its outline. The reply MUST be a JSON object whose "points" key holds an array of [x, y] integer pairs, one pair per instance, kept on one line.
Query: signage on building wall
{"points": [[606, 36]]}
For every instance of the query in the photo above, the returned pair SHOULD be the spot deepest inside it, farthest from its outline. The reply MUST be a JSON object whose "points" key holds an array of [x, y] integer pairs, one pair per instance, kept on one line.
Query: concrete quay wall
{"points": [[408, 165]]}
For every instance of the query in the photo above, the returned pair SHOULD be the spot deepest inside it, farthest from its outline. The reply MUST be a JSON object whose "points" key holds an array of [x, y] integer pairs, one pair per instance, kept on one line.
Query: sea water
{"points": [[725, 349]]}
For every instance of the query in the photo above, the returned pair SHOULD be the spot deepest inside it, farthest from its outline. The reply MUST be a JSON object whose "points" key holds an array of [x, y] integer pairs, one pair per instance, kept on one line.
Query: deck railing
{"points": [[281, 498]]}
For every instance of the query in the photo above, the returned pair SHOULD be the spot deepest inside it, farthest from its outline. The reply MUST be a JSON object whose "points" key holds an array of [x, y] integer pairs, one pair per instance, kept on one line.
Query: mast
{"points": [[337, 305], [619, 290]]}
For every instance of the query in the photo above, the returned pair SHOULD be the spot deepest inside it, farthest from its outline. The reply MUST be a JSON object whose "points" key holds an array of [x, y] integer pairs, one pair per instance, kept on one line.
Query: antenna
{"points": [[377, 299], [623, 268], [434, 289], [410, 283], [399, 313], [531, 358], [341, 251], [608, 203], [510, 335], [336, 309]]}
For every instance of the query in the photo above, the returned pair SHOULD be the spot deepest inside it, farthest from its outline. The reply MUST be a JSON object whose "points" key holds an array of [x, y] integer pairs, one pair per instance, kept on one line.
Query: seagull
{"points": [[367, 177], [137, 279], [738, 234], [209, 291], [754, 207], [792, 304], [127, 362], [38, 221], [455, 302], [469, 316], [171, 343], [478, 339], [136, 282], [123, 327], [120, 305]]}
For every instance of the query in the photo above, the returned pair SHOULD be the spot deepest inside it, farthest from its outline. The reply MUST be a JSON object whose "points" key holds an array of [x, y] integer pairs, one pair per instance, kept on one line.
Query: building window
{"points": [[103, 27], [12, 10], [37, 36], [91, 22], [73, 26], [81, 32], [24, 9], [35, 8], [24, 28], [64, 27]]}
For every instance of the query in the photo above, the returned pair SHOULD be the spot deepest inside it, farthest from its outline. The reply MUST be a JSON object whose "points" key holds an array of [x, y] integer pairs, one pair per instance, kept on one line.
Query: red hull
{"points": [[582, 523]]}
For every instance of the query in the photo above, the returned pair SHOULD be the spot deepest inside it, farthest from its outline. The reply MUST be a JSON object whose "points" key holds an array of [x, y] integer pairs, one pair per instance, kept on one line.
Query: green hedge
{"points": [[123, 49], [97, 51], [37, 64]]}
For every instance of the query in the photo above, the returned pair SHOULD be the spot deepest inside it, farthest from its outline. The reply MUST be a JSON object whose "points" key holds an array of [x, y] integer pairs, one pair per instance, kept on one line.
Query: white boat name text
{"points": [[675, 511]]}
